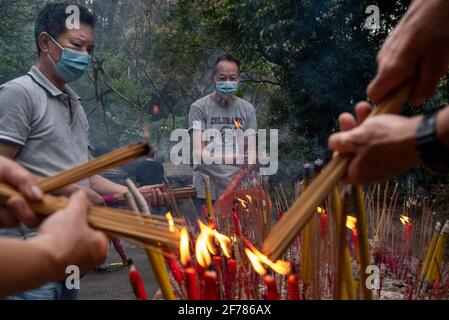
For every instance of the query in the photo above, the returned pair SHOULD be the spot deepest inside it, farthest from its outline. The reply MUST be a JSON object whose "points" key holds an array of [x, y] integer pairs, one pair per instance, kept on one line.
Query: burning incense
{"points": [[106, 161], [304, 207]]}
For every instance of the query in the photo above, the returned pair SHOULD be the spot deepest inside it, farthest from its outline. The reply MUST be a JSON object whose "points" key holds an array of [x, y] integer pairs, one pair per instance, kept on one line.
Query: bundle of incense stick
{"points": [[178, 193], [152, 230], [106, 161], [304, 207]]}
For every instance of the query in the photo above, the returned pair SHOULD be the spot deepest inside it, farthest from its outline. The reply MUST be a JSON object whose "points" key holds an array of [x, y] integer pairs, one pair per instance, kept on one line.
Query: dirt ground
{"points": [[114, 284]]}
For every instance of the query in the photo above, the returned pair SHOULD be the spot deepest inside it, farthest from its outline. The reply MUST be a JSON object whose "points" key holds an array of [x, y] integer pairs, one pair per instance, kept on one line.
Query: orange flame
{"points": [[224, 242], [320, 210], [205, 245], [238, 124], [405, 220], [171, 224], [351, 222], [257, 258], [184, 247], [254, 259], [242, 202]]}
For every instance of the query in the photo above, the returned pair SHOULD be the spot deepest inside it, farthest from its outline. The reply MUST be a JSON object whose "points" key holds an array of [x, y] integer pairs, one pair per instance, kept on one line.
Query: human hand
{"points": [[154, 195], [17, 209], [69, 240], [416, 49], [382, 146]]}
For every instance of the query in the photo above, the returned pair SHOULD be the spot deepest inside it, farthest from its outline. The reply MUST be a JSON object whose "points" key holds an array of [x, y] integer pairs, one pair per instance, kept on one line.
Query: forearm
{"points": [[26, 265], [104, 186], [443, 126]]}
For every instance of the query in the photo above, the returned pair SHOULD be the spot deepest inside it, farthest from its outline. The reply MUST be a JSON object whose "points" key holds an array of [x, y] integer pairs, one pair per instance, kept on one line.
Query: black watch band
{"points": [[432, 151]]}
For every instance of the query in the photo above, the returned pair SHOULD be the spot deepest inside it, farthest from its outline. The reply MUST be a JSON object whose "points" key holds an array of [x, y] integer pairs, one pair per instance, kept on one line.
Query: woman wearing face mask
{"points": [[224, 112]]}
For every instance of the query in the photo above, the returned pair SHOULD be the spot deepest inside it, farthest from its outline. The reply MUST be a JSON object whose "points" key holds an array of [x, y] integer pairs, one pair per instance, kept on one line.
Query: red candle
{"points": [[200, 270], [272, 292], [204, 212], [293, 287], [236, 224], [137, 283], [232, 269], [280, 213], [231, 275], [175, 271], [211, 288], [323, 225], [407, 232], [191, 283], [217, 263]]}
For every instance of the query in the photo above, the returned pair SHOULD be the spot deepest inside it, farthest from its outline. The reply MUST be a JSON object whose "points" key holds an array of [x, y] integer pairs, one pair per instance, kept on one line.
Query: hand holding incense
{"points": [[151, 230], [304, 207]]}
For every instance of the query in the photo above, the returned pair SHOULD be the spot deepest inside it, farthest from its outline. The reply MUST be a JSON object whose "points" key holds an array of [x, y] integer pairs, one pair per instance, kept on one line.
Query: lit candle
{"points": [[272, 292], [231, 275], [175, 271], [211, 288], [293, 287], [191, 283], [323, 225], [236, 224]]}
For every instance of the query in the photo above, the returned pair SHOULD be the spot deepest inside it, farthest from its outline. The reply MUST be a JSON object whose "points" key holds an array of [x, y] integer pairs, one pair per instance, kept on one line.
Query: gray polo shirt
{"points": [[49, 126]]}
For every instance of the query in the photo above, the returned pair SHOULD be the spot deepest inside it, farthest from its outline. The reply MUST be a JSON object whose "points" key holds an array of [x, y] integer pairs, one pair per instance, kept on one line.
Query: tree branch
{"points": [[252, 80]]}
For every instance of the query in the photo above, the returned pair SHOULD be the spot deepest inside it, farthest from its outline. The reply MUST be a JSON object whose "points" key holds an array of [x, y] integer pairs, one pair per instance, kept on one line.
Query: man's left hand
{"points": [[154, 195], [382, 146]]}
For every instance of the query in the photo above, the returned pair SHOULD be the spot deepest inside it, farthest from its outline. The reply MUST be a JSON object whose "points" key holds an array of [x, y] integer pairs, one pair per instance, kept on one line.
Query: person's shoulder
{"points": [[21, 85], [203, 102], [245, 104], [19, 91]]}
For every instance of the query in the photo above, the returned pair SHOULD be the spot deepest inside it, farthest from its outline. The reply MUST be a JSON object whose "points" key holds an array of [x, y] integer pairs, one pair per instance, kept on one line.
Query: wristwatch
{"points": [[432, 152]]}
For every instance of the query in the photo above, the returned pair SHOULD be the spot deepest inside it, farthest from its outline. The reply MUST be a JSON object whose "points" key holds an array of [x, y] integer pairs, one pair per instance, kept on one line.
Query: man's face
{"points": [[81, 39], [227, 71]]}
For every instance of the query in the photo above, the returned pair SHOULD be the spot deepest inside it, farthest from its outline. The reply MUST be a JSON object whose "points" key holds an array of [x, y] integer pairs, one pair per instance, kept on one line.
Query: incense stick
{"points": [[106, 161], [120, 222], [302, 210]]}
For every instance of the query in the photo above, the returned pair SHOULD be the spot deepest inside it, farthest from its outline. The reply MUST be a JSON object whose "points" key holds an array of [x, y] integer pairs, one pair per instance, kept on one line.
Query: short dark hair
{"points": [[52, 19], [226, 57]]}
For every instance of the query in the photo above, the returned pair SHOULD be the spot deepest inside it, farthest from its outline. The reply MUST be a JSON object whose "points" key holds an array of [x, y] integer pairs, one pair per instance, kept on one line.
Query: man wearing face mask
{"points": [[42, 123], [224, 111]]}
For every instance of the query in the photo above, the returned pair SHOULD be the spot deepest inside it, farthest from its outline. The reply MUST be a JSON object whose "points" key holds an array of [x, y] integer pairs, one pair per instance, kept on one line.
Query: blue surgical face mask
{"points": [[226, 89], [72, 64]]}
